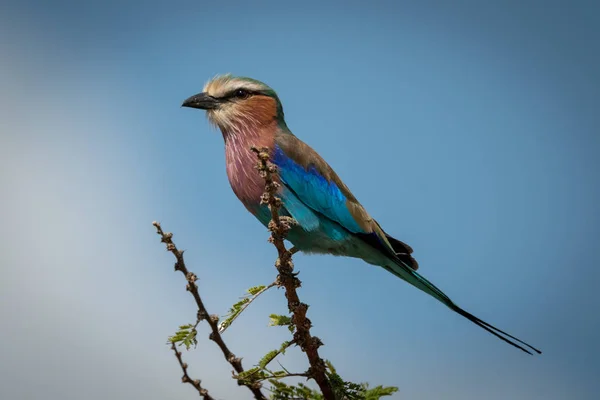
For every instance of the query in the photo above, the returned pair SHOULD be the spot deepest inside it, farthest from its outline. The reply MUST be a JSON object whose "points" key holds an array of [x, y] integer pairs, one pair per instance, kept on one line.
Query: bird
{"points": [[328, 217]]}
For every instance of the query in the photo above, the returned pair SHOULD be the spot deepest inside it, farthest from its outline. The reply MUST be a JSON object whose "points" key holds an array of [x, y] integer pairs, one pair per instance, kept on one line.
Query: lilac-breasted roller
{"points": [[330, 220]]}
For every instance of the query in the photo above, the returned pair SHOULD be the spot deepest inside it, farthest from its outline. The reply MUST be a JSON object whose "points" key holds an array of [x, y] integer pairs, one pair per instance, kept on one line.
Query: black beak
{"points": [[202, 101]]}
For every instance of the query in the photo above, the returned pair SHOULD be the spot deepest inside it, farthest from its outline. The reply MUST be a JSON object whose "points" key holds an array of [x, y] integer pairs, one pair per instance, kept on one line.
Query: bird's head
{"points": [[235, 103]]}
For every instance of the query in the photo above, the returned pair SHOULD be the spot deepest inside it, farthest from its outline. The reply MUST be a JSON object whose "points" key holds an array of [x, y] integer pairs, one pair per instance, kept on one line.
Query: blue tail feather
{"points": [[403, 271]]}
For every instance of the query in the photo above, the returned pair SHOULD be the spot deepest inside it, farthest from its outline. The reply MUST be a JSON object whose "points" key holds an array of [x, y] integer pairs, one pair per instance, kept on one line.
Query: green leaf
{"points": [[247, 373], [354, 391], [236, 309], [377, 392], [279, 320], [186, 335], [283, 391], [270, 356], [255, 289], [284, 346], [329, 365], [252, 375]]}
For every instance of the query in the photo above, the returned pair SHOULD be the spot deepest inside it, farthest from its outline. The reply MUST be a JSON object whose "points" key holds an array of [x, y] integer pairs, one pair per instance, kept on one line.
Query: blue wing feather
{"points": [[314, 190], [305, 216]]}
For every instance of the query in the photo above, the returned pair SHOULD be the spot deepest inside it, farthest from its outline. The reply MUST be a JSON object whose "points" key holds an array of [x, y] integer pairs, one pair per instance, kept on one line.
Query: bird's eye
{"points": [[241, 93]]}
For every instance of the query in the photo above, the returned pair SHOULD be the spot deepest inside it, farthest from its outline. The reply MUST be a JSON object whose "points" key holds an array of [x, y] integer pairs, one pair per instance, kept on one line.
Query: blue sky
{"points": [[468, 129]]}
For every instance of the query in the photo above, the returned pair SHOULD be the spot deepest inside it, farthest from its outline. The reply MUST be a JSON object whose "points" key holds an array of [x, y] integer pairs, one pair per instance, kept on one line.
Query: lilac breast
{"points": [[244, 179]]}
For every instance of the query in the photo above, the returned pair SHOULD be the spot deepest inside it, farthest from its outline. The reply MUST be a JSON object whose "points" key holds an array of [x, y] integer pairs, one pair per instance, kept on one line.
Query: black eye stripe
{"points": [[234, 94]]}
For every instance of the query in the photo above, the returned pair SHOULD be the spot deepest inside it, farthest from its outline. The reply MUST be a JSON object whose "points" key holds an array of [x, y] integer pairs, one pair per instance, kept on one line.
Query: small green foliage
{"points": [[270, 356], [284, 347], [253, 375], [279, 374], [378, 391], [283, 391], [343, 390], [237, 308], [260, 372], [254, 290], [281, 320], [234, 311], [249, 374], [354, 391], [186, 335]]}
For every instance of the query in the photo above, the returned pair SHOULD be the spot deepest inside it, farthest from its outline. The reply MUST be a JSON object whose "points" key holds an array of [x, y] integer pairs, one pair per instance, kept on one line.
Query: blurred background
{"points": [[469, 129]]}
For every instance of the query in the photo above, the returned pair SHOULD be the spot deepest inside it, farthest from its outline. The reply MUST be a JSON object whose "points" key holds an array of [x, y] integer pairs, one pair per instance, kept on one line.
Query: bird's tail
{"points": [[403, 271]]}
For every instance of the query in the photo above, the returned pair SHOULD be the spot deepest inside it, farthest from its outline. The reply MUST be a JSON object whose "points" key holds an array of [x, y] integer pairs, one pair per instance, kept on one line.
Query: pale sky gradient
{"points": [[469, 129]]}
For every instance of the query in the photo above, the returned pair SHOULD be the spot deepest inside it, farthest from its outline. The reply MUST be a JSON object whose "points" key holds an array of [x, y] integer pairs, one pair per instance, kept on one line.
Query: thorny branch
{"points": [[279, 227], [212, 320], [186, 378]]}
